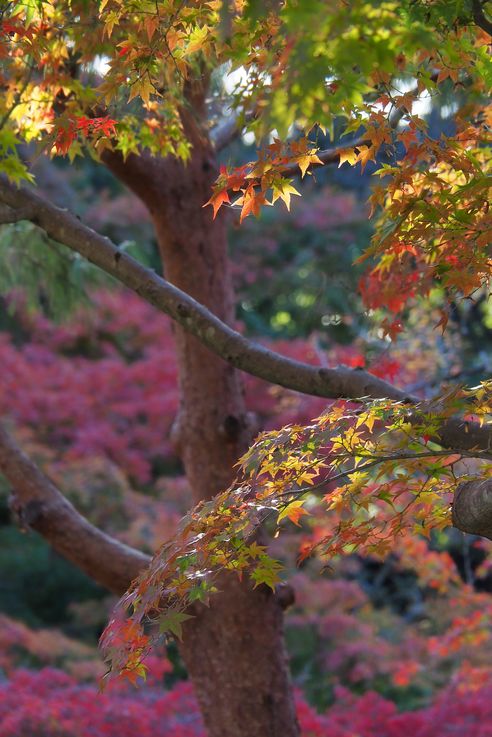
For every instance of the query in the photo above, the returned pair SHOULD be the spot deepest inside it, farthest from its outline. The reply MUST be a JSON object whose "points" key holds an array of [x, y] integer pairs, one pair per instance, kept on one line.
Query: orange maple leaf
{"points": [[217, 200]]}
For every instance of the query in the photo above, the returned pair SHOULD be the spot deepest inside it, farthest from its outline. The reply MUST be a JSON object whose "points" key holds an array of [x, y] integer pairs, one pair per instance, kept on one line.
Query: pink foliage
{"points": [[105, 383], [49, 703]]}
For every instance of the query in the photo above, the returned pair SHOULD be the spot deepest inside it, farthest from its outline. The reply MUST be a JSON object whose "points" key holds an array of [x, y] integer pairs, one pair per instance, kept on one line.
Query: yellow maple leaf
{"points": [[305, 161], [141, 88], [366, 153], [196, 40], [347, 155], [282, 190], [293, 511]]}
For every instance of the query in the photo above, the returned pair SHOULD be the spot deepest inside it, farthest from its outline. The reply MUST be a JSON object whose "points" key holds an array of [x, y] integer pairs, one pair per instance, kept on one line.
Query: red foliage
{"points": [[105, 383], [67, 132], [50, 703], [20, 644]]}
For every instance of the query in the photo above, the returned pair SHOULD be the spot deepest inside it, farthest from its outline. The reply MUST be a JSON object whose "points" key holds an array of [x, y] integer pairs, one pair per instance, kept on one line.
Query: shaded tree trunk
{"points": [[234, 650]]}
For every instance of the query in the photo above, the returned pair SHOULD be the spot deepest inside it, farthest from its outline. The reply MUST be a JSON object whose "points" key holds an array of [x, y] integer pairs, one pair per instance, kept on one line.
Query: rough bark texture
{"points": [[236, 654], [234, 650], [472, 507]]}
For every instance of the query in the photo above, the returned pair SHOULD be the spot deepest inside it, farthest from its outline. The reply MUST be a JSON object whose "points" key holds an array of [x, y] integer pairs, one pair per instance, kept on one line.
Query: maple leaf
{"points": [[143, 88], [305, 154], [347, 155], [443, 321], [367, 419], [65, 136], [134, 673], [251, 203], [306, 160], [267, 572], [84, 124], [151, 24], [217, 200], [196, 40], [293, 511], [173, 622], [283, 189], [366, 153]]}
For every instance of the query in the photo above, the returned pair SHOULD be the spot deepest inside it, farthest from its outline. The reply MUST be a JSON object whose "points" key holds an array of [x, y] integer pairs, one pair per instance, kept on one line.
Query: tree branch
{"points": [[229, 129], [479, 17], [9, 215], [472, 507], [234, 348], [41, 506], [331, 155], [224, 133]]}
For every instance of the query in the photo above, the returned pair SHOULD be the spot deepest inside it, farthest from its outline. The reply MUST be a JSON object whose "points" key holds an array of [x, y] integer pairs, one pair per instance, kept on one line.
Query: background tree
{"points": [[138, 86]]}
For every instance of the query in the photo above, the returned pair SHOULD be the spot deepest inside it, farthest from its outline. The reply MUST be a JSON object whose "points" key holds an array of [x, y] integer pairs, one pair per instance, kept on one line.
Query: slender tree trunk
{"points": [[234, 650]]}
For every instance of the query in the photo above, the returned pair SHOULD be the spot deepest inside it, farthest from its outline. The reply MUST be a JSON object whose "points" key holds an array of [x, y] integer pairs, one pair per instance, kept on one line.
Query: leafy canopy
{"points": [[82, 76]]}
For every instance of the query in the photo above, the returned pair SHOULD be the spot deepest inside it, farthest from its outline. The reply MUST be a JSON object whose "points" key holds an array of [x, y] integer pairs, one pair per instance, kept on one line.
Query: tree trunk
{"points": [[235, 655], [234, 650]]}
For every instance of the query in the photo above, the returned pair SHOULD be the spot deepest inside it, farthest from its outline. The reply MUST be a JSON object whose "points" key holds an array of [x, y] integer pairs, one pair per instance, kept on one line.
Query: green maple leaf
{"points": [[172, 622]]}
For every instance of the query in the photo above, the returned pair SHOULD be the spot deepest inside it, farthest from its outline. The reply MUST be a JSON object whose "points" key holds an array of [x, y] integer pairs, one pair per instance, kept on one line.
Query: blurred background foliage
{"points": [[89, 388]]}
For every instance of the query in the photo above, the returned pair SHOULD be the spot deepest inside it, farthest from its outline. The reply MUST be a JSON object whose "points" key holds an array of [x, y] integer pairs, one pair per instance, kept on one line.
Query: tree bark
{"points": [[472, 507], [234, 650], [454, 433], [39, 505]]}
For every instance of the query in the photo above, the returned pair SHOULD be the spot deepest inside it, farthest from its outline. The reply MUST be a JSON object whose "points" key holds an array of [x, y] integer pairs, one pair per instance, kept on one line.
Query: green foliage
{"points": [[293, 271], [38, 586], [52, 279], [10, 162]]}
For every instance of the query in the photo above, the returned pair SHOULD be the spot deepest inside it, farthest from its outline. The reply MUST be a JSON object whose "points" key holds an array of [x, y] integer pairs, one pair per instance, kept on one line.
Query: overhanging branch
{"points": [[230, 128], [332, 155], [42, 507], [243, 354], [480, 18]]}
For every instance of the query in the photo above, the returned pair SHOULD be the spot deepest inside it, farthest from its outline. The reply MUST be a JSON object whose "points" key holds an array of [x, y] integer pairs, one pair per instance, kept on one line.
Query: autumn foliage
{"points": [[363, 475]]}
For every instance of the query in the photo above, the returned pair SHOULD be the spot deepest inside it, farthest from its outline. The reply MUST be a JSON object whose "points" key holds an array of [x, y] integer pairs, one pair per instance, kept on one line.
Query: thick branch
{"points": [[8, 215], [40, 506], [472, 507], [230, 345], [196, 319]]}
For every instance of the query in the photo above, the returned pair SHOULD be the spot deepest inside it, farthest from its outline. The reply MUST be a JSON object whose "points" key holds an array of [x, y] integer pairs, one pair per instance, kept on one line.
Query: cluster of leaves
{"points": [[435, 226], [434, 200], [68, 130], [379, 470], [256, 179]]}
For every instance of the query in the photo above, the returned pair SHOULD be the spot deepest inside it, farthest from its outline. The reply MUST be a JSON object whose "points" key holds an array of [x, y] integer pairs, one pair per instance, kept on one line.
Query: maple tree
{"points": [[137, 87]]}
